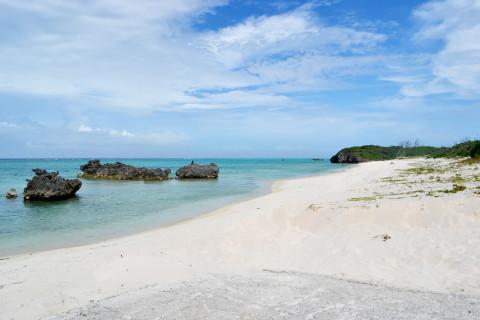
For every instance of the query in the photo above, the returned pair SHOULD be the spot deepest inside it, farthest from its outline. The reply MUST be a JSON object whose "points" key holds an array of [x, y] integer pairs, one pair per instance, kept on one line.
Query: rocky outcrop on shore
{"points": [[344, 156], [198, 171], [49, 186], [365, 153], [120, 171], [11, 194]]}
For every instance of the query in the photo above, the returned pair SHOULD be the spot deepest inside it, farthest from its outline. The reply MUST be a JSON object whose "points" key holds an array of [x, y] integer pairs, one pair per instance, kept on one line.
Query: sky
{"points": [[230, 78]]}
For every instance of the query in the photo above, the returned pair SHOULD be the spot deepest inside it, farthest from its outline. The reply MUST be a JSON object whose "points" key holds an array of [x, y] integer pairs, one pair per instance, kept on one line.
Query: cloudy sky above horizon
{"points": [[219, 78]]}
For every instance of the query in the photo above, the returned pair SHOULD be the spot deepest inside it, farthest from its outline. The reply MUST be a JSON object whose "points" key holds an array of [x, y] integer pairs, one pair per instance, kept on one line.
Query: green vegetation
{"points": [[374, 153], [458, 179], [475, 160], [475, 151], [456, 188], [421, 170], [392, 180], [464, 149], [428, 178], [363, 199]]}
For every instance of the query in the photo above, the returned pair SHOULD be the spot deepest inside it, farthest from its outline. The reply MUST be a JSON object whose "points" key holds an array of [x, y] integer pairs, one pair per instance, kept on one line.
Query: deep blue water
{"points": [[104, 209]]}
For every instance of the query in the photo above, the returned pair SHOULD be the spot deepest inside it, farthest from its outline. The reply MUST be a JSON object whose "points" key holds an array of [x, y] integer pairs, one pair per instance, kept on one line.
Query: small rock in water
{"points": [[11, 194]]}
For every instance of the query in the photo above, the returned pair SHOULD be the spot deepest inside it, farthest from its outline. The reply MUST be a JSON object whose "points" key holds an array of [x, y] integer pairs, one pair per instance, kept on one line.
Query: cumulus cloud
{"points": [[146, 54], [283, 77], [295, 32], [295, 51]]}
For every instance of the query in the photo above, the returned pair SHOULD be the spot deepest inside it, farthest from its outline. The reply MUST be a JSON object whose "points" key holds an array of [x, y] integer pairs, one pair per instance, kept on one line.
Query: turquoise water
{"points": [[105, 209]]}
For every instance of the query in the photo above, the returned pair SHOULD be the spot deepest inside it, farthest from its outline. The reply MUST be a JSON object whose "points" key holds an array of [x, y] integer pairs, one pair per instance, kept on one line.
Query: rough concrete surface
{"points": [[277, 295]]}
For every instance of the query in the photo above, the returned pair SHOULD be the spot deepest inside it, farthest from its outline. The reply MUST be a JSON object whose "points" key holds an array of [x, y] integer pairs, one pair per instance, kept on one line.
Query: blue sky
{"points": [[218, 78]]}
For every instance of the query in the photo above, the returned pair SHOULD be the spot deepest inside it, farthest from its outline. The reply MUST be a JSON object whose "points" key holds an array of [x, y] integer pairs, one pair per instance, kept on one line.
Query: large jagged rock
{"points": [[120, 171], [11, 194], [197, 171], [49, 186], [345, 156]]}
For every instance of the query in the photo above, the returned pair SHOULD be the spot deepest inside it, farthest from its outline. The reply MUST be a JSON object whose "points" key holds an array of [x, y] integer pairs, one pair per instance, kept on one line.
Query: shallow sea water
{"points": [[106, 209]]}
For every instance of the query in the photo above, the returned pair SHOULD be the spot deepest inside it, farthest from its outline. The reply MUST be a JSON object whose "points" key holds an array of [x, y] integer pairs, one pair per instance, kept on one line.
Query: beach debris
{"points": [[384, 237], [11, 194], [314, 207], [47, 186], [198, 171], [120, 171]]}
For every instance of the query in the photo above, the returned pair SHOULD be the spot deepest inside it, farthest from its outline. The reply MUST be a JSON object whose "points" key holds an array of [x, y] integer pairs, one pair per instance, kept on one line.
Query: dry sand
{"points": [[386, 223]]}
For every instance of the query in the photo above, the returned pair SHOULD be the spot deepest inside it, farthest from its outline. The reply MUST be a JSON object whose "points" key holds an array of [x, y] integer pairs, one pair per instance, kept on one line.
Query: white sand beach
{"points": [[394, 224]]}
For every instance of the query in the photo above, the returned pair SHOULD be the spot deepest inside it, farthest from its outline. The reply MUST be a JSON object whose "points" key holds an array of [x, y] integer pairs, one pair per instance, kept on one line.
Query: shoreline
{"points": [[311, 224], [267, 187]]}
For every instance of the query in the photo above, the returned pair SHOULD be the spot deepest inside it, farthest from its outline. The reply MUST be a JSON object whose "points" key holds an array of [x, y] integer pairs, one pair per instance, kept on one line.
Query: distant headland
{"points": [[366, 153]]}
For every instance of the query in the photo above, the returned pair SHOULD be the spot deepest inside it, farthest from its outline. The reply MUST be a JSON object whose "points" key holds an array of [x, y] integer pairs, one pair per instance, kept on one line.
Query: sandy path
{"points": [[320, 225]]}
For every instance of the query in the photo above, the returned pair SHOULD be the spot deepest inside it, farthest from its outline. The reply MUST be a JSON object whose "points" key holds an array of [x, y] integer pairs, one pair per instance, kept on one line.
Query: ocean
{"points": [[107, 209]]}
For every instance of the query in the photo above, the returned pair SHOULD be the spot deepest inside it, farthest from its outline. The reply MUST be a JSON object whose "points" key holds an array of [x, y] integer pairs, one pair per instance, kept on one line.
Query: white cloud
{"points": [[112, 132], [144, 54], [235, 99], [314, 71], [166, 137], [295, 32], [454, 26], [163, 138], [400, 102], [8, 125], [84, 128]]}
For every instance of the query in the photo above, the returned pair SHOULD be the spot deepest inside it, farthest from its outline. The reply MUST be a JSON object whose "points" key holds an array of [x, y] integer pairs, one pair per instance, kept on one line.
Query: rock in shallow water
{"points": [[120, 171], [49, 186], [197, 171], [11, 194]]}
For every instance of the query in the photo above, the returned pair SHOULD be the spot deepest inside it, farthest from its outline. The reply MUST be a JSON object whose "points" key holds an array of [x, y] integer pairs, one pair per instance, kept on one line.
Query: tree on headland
{"points": [[409, 144]]}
